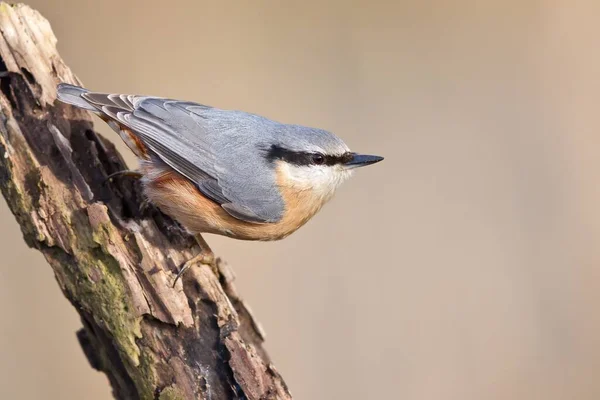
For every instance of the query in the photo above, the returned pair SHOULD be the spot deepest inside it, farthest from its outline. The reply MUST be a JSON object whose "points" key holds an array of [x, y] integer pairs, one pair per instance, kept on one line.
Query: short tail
{"points": [[71, 94]]}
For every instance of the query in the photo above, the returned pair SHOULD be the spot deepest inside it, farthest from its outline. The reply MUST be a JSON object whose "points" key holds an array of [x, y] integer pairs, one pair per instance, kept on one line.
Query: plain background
{"points": [[465, 266]]}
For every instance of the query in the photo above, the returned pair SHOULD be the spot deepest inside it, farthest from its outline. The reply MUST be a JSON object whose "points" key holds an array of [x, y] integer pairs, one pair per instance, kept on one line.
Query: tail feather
{"points": [[71, 94]]}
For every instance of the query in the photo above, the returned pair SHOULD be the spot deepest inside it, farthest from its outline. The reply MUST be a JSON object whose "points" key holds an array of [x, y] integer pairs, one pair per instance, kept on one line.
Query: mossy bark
{"points": [[114, 259]]}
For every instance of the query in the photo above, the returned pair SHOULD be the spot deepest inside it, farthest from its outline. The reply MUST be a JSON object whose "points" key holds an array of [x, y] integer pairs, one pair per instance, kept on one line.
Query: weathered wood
{"points": [[114, 259]]}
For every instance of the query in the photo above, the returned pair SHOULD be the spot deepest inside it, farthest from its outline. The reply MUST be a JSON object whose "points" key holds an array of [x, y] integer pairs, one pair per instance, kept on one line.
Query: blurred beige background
{"points": [[465, 266]]}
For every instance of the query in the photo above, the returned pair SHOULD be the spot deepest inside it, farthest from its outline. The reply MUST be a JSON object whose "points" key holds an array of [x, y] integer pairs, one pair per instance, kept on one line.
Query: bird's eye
{"points": [[318, 159]]}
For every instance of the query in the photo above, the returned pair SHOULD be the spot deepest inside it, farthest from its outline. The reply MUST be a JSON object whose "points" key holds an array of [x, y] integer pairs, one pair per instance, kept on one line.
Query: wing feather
{"points": [[216, 149]]}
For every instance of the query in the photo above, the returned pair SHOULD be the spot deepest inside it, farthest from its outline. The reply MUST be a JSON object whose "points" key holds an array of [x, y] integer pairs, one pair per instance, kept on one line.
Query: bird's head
{"points": [[314, 159]]}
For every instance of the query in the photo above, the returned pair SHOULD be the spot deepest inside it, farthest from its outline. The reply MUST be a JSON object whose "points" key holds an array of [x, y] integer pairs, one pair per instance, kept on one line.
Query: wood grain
{"points": [[113, 259]]}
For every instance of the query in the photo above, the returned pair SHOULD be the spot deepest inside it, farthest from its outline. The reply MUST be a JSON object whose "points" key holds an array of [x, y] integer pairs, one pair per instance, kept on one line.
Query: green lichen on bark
{"points": [[14, 193], [170, 393]]}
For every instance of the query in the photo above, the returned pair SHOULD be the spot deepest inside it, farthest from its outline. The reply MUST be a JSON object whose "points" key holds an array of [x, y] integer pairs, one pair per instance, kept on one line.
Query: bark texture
{"points": [[114, 259]]}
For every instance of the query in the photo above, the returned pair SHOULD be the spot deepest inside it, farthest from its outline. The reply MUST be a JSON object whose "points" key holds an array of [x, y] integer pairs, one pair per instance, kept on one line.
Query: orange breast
{"points": [[177, 197]]}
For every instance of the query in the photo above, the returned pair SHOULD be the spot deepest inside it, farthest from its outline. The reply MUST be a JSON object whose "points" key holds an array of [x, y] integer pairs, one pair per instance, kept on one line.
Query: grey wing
{"points": [[216, 149]]}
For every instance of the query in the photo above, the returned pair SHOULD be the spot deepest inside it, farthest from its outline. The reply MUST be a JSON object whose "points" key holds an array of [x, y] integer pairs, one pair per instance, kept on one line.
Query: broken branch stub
{"points": [[113, 259]]}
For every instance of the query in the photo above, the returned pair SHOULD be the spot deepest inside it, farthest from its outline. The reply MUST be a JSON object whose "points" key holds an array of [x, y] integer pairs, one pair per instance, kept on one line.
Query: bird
{"points": [[224, 172]]}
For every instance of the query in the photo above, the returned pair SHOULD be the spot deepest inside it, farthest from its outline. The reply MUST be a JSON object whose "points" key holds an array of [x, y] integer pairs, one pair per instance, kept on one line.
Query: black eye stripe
{"points": [[305, 158]]}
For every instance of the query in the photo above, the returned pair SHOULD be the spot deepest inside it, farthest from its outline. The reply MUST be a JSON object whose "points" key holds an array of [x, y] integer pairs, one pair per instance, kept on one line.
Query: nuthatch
{"points": [[224, 172]]}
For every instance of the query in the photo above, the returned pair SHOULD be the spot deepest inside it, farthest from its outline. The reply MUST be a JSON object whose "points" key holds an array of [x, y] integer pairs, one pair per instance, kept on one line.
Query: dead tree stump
{"points": [[114, 259]]}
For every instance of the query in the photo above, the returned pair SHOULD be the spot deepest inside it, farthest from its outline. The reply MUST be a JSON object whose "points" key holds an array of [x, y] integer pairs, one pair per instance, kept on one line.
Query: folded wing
{"points": [[216, 149]]}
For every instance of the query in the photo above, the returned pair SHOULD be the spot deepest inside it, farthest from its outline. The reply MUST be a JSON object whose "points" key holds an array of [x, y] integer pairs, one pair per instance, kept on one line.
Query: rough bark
{"points": [[114, 259]]}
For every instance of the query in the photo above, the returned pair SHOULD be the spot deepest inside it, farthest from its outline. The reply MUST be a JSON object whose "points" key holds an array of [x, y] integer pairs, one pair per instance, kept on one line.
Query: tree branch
{"points": [[114, 259]]}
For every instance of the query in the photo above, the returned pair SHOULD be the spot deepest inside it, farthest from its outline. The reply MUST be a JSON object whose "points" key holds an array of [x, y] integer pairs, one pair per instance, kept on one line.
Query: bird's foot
{"points": [[129, 173], [205, 257]]}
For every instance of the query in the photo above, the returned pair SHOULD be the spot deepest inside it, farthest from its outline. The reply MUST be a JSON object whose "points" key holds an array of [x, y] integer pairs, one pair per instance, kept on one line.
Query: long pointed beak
{"points": [[361, 160]]}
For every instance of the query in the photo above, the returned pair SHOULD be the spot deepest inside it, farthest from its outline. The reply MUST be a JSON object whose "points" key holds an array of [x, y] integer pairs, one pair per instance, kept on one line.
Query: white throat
{"points": [[321, 180]]}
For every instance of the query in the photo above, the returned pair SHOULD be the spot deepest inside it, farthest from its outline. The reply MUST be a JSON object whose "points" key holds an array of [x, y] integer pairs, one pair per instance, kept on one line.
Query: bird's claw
{"points": [[131, 174], [206, 258]]}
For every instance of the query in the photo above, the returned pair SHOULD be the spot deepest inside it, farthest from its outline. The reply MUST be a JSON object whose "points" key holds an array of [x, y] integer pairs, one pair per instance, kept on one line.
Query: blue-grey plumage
{"points": [[221, 171]]}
